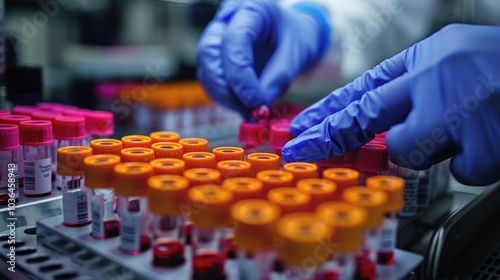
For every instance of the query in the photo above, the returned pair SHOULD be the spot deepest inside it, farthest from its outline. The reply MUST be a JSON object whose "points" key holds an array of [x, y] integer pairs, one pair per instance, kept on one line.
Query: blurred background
{"points": [[135, 58]]}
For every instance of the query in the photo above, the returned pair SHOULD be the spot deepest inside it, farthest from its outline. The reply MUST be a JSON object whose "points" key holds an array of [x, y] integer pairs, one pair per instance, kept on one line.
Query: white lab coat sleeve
{"points": [[364, 32]]}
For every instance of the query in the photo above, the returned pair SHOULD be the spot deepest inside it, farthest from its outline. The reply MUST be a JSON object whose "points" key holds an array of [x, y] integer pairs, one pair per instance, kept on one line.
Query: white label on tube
{"points": [[37, 176], [130, 231], [97, 216], [75, 207], [388, 235], [410, 197]]}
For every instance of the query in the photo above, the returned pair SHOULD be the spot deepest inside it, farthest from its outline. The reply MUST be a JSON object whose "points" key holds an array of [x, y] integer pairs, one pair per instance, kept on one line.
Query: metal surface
{"points": [[27, 266], [99, 255], [28, 210], [460, 230]]}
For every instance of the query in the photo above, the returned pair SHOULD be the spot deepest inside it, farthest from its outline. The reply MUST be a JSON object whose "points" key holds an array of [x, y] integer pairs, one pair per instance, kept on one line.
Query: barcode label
{"points": [[97, 216], [388, 235], [37, 178], [75, 207], [130, 231], [410, 197], [29, 176]]}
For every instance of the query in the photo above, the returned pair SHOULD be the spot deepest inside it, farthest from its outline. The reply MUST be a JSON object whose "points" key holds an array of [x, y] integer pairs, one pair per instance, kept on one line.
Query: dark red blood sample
{"points": [[328, 275], [365, 269], [38, 195], [168, 254], [77, 225], [187, 233], [21, 182], [4, 199], [145, 243], [229, 248], [209, 266], [111, 228], [385, 258], [278, 266]]}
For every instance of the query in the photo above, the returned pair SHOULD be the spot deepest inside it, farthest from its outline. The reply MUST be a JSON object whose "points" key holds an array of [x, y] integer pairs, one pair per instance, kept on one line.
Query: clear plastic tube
{"points": [[339, 267], [168, 250], [76, 202], [134, 233], [105, 222], [60, 144]]}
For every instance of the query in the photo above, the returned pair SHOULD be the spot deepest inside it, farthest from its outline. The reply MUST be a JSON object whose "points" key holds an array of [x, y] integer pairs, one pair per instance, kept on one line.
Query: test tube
{"points": [[17, 119], [228, 153], [273, 179], [209, 215], [164, 136], [290, 200], [9, 146], [320, 190], [75, 197], [202, 176], [166, 193], [136, 141], [375, 203], [68, 131], [254, 136], [256, 252], [411, 181], [234, 168], [303, 237], [36, 140], [244, 188], [194, 145], [343, 179], [168, 166], [137, 154], [98, 171], [263, 161], [301, 170], [371, 160], [132, 190], [99, 125], [106, 146], [424, 190], [394, 189], [348, 221], [199, 160], [167, 150]]}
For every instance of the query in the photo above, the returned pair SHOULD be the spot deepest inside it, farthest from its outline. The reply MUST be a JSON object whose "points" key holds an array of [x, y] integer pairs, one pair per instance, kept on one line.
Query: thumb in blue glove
{"points": [[440, 98], [253, 49]]}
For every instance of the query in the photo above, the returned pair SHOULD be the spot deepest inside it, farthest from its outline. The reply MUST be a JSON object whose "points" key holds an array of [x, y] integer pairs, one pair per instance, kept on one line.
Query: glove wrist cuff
{"points": [[324, 28]]}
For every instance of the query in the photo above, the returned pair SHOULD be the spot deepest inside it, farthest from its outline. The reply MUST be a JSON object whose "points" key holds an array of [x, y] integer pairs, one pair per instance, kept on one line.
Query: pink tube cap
{"points": [[14, 119], [35, 133], [372, 158], [69, 128], [9, 137], [99, 123]]}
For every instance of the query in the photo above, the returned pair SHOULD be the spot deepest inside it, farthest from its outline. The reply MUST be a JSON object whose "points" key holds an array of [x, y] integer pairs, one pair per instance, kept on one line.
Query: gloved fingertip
{"points": [[287, 154]]}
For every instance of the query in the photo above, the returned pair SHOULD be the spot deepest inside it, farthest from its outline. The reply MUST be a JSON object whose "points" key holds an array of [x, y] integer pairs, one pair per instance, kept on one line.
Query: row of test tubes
{"points": [[421, 187], [30, 136], [173, 198]]}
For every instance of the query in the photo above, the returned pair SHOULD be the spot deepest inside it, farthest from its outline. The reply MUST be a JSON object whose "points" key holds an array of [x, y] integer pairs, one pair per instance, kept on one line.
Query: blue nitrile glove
{"points": [[253, 49], [439, 98]]}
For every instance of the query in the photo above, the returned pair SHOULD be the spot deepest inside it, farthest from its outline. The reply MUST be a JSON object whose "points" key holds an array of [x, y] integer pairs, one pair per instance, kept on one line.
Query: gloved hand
{"points": [[253, 49], [439, 98]]}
